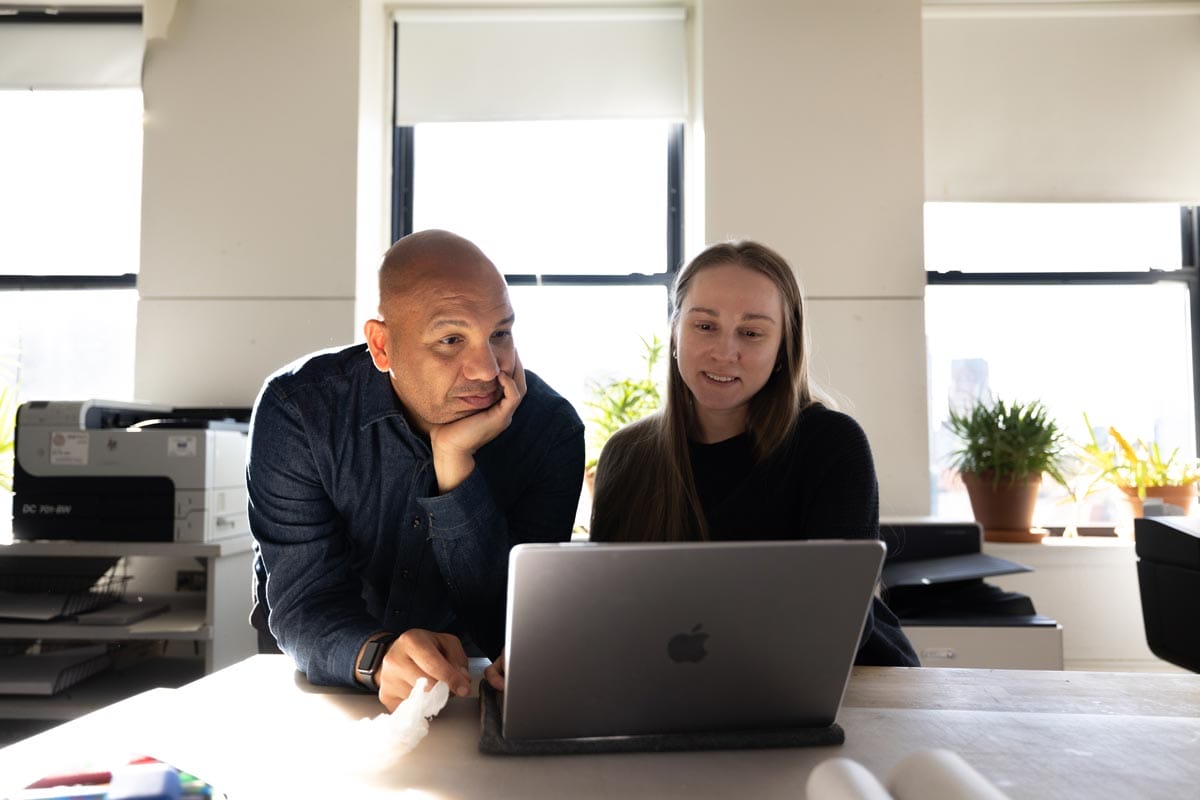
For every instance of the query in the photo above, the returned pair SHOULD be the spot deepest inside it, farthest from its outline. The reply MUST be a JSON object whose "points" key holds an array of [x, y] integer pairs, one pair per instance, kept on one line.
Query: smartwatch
{"points": [[372, 657]]}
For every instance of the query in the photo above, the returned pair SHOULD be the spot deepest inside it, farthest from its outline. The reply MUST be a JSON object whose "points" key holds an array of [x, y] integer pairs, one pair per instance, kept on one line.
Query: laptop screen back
{"points": [[630, 639]]}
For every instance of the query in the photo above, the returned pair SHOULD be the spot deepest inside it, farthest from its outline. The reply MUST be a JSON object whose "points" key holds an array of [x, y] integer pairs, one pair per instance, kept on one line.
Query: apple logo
{"points": [[687, 646]]}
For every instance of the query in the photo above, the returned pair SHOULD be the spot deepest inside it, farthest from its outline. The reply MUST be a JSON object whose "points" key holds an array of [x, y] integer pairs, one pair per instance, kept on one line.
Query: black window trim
{"points": [[20, 283], [403, 167], [50, 15], [1188, 274]]}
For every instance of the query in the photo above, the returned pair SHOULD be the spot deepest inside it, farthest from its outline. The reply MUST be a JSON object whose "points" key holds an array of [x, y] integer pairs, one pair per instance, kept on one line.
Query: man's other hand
{"points": [[494, 674], [419, 653]]}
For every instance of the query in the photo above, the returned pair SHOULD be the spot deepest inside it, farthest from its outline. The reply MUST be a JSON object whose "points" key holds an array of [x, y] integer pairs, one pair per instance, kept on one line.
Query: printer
{"points": [[101, 471], [933, 580]]}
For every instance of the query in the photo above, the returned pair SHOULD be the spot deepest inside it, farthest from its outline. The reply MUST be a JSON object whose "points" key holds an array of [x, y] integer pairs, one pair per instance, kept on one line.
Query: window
{"points": [[70, 200], [1086, 307], [583, 220]]}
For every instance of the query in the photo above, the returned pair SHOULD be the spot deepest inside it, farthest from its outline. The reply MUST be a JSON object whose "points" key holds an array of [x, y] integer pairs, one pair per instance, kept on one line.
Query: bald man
{"points": [[388, 481]]}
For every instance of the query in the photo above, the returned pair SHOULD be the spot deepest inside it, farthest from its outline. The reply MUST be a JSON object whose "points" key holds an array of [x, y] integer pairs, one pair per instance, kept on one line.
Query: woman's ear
{"points": [[375, 330]]}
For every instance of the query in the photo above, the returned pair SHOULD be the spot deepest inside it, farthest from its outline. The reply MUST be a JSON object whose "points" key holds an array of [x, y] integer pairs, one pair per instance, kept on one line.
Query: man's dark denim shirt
{"points": [[351, 536]]}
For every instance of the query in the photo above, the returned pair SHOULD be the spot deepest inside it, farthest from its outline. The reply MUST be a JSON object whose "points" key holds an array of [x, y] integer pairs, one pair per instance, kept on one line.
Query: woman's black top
{"points": [[820, 484]]}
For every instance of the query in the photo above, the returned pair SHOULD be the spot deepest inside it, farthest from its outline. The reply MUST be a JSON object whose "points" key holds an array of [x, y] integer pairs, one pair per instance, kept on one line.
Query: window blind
{"points": [[1063, 108], [540, 64], [70, 55]]}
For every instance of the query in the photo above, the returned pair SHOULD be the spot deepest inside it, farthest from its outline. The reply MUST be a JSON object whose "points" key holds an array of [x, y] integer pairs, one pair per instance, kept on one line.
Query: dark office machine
{"points": [[933, 580], [1168, 551], [101, 471]]}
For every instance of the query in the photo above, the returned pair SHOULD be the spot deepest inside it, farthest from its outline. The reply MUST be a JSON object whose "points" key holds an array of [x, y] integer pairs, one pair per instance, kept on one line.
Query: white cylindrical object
{"points": [[843, 779], [939, 775]]}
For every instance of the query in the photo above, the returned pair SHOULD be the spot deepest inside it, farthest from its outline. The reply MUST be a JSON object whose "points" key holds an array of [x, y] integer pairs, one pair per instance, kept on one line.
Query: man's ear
{"points": [[377, 342]]}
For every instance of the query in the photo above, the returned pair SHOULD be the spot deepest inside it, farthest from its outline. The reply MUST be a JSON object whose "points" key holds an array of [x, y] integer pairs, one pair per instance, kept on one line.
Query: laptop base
{"points": [[493, 742]]}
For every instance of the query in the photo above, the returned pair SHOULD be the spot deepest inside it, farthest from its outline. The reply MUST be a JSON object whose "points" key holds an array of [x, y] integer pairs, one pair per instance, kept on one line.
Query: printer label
{"points": [[185, 446], [69, 448]]}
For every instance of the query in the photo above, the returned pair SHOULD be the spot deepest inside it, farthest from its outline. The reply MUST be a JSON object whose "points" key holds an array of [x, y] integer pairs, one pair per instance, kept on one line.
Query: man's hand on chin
{"points": [[455, 443]]}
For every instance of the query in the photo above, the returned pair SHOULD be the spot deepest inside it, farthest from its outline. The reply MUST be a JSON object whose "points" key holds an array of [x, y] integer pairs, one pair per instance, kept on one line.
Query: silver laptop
{"points": [[634, 639]]}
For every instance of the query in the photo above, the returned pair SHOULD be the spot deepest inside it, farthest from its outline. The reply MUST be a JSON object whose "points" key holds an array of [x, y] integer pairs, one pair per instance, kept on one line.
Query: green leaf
{"points": [[1136, 465], [1013, 441], [617, 403]]}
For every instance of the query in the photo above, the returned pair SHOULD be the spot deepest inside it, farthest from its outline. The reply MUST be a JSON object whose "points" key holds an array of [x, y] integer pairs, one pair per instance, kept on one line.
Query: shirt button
{"points": [[404, 574], [396, 612], [416, 522]]}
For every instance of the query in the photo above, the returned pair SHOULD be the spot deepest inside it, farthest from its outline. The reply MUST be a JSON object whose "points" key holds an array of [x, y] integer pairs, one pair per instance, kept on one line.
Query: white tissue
{"points": [[379, 742]]}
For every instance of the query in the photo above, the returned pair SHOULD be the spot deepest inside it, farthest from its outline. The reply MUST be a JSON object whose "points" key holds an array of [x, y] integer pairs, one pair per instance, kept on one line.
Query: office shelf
{"points": [[172, 549], [184, 619], [201, 631]]}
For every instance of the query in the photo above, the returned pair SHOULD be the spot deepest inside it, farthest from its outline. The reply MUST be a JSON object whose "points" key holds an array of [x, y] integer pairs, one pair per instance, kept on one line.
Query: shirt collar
{"points": [[378, 400]]}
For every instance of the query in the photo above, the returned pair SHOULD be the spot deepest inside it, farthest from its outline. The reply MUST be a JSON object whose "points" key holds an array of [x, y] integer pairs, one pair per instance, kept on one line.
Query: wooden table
{"points": [[258, 729]]}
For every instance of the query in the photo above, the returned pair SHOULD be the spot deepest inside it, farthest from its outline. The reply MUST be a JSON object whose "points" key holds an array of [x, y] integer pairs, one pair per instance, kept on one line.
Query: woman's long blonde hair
{"points": [[645, 490]]}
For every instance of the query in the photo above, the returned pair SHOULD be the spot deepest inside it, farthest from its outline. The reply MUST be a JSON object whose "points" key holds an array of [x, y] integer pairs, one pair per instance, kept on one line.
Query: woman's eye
{"points": [[704, 326], [751, 334]]}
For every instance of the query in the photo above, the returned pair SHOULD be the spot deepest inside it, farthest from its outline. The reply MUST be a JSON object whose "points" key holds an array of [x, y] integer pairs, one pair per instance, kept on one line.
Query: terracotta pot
{"points": [[1181, 496], [1003, 509]]}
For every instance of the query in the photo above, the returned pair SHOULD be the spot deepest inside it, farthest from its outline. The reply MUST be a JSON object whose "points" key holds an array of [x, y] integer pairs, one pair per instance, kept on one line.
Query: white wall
{"points": [[813, 144], [1091, 589], [249, 192], [373, 220]]}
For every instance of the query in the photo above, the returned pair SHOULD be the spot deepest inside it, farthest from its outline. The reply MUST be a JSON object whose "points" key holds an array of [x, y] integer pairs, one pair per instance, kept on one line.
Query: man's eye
{"points": [[450, 340], [502, 335]]}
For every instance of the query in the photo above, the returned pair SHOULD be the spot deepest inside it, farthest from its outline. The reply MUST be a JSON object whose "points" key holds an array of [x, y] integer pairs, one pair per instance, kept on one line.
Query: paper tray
{"points": [[927, 571], [51, 673], [492, 741]]}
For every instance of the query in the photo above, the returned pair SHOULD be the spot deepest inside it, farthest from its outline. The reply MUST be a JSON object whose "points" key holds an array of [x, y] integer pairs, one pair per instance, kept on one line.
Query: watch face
{"points": [[372, 655]]}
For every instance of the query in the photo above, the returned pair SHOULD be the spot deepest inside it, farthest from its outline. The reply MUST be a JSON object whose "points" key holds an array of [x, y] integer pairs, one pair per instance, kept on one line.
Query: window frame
{"points": [[67, 282], [404, 165], [1188, 274]]}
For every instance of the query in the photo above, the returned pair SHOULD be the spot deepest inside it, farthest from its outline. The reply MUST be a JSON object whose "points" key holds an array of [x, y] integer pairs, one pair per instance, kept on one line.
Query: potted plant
{"points": [[1139, 470], [1006, 448], [615, 404]]}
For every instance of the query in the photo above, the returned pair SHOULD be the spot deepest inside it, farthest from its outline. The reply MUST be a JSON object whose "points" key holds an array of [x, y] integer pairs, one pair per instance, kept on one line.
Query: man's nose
{"points": [[481, 364]]}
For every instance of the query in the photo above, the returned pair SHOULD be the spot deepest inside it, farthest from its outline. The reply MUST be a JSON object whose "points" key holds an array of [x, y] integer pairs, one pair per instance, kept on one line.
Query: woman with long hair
{"points": [[741, 450]]}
